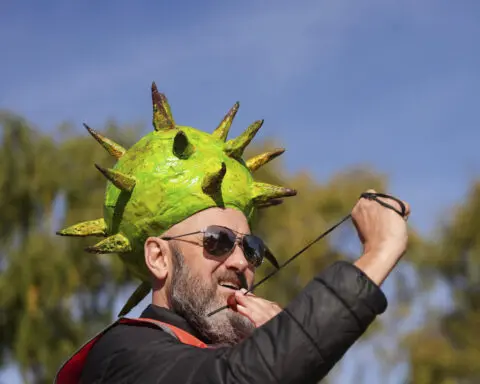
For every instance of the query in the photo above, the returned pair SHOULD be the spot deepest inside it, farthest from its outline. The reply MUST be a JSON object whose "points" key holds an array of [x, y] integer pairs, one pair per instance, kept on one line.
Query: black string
{"points": [[375, 196], [287, 262], [366, 195]]}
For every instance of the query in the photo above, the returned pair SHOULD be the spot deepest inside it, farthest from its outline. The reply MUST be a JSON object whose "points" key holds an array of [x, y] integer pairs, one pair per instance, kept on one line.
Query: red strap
{"points": [[71, 370], [184, 337]]}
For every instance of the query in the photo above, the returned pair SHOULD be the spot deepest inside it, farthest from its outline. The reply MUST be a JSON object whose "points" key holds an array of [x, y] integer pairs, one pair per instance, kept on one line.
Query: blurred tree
{"points": [[52, 294], [447, 349]]}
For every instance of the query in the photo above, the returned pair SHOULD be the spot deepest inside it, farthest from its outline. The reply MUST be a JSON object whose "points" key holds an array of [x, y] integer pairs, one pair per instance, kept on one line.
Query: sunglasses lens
{"points": [[254, 249], [218, 241]]}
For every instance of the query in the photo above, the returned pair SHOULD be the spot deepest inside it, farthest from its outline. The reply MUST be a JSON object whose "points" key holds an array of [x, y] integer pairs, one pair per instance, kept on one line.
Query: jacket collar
{"points": [[168, 316]]}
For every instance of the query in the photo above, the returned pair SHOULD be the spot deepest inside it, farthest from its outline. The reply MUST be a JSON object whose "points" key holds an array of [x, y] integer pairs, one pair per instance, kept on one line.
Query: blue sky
{"points": [[392, 84]]}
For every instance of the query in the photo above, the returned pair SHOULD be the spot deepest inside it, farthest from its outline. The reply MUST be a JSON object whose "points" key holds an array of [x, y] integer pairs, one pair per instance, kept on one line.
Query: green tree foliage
{"points": [[447, 350], [52, 294]]}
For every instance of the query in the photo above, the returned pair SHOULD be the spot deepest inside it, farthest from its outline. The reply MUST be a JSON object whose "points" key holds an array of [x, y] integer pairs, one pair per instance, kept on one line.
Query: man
{"points": [[199, 256]]}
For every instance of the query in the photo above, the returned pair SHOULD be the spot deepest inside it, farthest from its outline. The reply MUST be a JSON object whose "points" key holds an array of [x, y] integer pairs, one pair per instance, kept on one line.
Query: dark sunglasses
{"points": [[220, 241]]}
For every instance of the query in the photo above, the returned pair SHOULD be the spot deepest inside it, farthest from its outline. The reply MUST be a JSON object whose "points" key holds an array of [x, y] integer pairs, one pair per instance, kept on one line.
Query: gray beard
{"points": [[193, 298]]}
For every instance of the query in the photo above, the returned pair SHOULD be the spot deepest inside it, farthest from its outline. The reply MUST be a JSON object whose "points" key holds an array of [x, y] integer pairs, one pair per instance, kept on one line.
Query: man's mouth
{"points": [[230, 285]]}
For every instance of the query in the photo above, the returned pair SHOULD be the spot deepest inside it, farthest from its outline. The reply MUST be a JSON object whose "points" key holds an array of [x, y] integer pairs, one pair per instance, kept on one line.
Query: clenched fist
{"points": [[383, 233]]}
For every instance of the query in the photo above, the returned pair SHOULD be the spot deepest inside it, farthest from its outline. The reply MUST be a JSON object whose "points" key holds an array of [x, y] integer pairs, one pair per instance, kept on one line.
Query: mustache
{"points": [[243, 280]]}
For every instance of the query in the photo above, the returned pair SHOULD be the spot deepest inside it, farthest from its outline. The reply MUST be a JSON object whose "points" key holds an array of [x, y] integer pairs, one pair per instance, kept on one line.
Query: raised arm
{"points": [[304, 341]]}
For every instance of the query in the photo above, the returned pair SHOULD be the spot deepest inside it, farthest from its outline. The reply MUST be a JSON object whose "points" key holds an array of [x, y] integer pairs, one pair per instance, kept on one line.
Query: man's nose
{"points": [[237, 260]]}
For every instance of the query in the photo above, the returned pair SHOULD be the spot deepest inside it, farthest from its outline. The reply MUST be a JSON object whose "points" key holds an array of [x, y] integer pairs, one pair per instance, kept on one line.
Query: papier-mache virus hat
{"points": [[167, 176]]}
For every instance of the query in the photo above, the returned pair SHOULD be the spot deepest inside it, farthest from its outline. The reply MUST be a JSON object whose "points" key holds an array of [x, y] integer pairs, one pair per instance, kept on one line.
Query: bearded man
{"points": [[198, 254]]}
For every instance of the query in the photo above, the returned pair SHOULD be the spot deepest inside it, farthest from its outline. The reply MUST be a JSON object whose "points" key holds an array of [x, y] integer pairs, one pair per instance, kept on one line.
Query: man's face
{"points": [[201, 282]]}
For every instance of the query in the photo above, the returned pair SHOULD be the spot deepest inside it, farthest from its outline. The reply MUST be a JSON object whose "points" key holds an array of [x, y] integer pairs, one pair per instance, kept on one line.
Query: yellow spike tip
{"points": [[120, 180], [87, 228], [112, 148], [113, 244], [162, 114], [235, 147], [264, 192], [221, 132], [212, 181], [258, 161]]}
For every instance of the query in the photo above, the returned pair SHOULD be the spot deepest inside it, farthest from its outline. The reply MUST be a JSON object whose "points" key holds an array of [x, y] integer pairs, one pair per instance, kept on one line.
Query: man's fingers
{"points": [[394, 203], [246, 299], [232, 302], [257, 303], [257, 309], [246, 312]]}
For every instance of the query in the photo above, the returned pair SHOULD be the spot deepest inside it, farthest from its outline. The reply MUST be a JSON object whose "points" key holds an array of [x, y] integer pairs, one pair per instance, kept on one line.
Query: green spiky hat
{"points": [[169, 175]]}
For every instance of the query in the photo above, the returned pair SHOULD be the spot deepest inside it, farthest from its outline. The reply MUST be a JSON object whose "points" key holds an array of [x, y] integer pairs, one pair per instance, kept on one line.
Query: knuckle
{"points": [[242, 299], [359, 206]]}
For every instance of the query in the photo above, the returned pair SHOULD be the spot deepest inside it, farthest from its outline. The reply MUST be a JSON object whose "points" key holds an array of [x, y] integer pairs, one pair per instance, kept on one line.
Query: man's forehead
{"points": [[227, 217]]}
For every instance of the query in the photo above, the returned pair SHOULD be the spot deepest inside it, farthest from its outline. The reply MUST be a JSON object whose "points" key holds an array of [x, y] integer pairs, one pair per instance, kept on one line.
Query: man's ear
{"points": [[157, 258]]}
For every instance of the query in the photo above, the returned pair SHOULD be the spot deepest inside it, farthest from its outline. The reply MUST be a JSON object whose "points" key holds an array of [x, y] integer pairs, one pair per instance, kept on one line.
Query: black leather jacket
{"points": [[299, 345]]}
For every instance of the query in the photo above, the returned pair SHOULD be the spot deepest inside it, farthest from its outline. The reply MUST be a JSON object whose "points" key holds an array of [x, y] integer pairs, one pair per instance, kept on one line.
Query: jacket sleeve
{"points": [[299, 345]]}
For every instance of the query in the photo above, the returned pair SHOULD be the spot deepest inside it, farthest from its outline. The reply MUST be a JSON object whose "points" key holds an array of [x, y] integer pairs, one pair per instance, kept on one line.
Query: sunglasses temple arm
{"points": [[176, 237], [269, 256]]}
